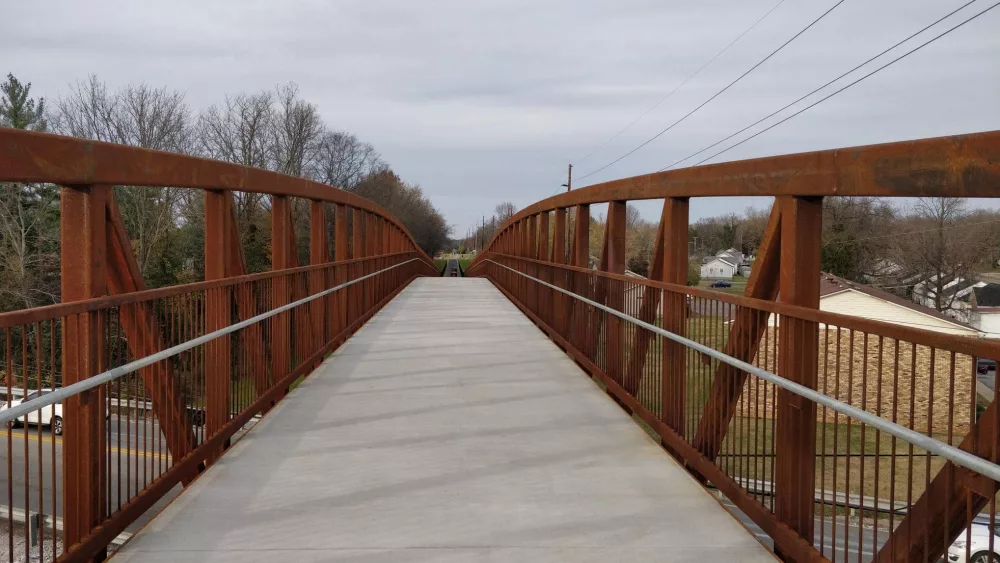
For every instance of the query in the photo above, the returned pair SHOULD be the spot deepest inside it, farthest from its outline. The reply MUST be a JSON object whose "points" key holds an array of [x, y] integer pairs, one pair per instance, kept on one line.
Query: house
{"points": [[858, 353], [717, 267], [838, 295], [985, 309], [634, 293], [955, 294], [884, 272], [732, 256]]}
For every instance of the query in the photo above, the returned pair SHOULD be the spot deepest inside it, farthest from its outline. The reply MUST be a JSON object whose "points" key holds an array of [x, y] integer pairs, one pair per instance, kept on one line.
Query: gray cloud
{"points": [[484, 101]]}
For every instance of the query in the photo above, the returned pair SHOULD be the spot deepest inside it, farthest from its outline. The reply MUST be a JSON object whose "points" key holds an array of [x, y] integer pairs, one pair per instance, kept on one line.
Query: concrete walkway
{"points": [[448, 429]]}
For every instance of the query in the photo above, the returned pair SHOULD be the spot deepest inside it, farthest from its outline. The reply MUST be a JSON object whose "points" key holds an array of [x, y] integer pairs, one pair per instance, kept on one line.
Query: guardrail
{"points": [[892, 415], [225, 351]]}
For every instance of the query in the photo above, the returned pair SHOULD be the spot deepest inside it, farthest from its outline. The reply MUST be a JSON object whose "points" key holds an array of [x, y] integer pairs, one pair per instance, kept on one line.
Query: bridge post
{"points": [[581, 259], [281, 243], [217, 313], [318, 254], [532, 253], [795, 440], [370, 250], [558, 256], [371, 245], [341, 252], [581, 237], [543, 254], [674, 266], [354, 295], [83, 232], [614, 290]]}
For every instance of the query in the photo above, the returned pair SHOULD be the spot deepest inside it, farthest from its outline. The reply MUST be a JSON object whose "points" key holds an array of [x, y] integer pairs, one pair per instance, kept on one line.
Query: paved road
{"points": [[137, 449], [834, 544], [442, 433], [452, 269]]}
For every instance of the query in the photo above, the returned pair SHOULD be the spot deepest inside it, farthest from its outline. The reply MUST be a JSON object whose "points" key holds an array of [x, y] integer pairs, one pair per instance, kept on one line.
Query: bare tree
{"points": [[142, 116], [297, 132], [853, 247], [242, 130], [342, 160], [754, 224], [938, 247], [504, 211]]}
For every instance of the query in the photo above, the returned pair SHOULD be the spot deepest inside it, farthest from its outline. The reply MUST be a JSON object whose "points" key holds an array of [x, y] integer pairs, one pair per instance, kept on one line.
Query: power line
{"points": [[717, 143], [717, 94], [821, 100], [681, 85]]}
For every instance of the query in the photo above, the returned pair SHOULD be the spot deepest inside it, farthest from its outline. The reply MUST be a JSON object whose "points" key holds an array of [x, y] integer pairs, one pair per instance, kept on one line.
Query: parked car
{"points": [[50, 415], [978, 547], [721, 283], [984, 366]]}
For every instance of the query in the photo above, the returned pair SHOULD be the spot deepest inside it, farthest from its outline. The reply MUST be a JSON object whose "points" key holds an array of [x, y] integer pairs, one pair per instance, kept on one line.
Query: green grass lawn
{"points": [[440, 263]]}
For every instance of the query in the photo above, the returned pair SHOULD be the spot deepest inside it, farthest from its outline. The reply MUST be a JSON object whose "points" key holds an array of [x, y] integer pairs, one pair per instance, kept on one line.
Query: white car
{"points": [[978, 547], [50, 415]]}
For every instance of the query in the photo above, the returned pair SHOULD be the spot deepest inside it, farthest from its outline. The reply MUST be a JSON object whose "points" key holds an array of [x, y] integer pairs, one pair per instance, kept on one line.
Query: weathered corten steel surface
{"points": [[197, 403], [27, 156], [956, 166], [787, 267]]}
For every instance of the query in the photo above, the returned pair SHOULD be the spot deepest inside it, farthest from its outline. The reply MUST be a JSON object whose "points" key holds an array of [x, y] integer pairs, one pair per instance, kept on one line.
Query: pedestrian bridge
{"points": [[449, 428], [361, 407]]}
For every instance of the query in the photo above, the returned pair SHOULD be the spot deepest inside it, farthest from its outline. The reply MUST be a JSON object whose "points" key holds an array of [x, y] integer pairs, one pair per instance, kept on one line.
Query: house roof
{"points": [[988, 295], [830, 284], [720, 259]]}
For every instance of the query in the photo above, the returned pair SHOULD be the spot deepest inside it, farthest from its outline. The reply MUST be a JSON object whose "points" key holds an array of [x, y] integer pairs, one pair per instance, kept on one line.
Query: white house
{"points": [[838, 295], [956, 294], [718, 268], [985, 305], [732, 256]]}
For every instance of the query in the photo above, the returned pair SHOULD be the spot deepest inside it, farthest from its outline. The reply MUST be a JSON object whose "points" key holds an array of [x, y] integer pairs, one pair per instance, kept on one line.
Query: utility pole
{"points": [[569, 179]]}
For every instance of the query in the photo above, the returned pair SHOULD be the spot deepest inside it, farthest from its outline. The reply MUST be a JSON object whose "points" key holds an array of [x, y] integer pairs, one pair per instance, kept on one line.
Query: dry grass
{"points": [[921, 388]]}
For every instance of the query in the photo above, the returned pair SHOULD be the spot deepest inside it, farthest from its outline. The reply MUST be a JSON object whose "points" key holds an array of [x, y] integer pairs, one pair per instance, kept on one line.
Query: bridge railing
{"points": [[217, 355], [113, 461], [880, 443], [805, 473]]}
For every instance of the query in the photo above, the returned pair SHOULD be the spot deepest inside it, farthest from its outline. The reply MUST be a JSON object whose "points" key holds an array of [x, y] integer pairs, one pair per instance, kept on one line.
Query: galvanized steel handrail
{"points": [[12, 413], [957, 456]]}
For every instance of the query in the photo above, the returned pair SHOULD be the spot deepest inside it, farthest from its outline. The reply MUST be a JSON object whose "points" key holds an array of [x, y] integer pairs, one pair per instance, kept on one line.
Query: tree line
{"points": [[274, 129], [867, 240]]}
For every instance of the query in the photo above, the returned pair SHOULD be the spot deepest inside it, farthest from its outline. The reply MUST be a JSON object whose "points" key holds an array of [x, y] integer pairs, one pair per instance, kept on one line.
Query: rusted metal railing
{"points": [[96, 463], [813, 478], [866, 478], [240, 361]]}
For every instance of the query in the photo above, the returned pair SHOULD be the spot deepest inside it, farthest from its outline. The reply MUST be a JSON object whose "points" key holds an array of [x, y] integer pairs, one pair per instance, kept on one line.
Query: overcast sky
{"points": [[482, 101]]}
